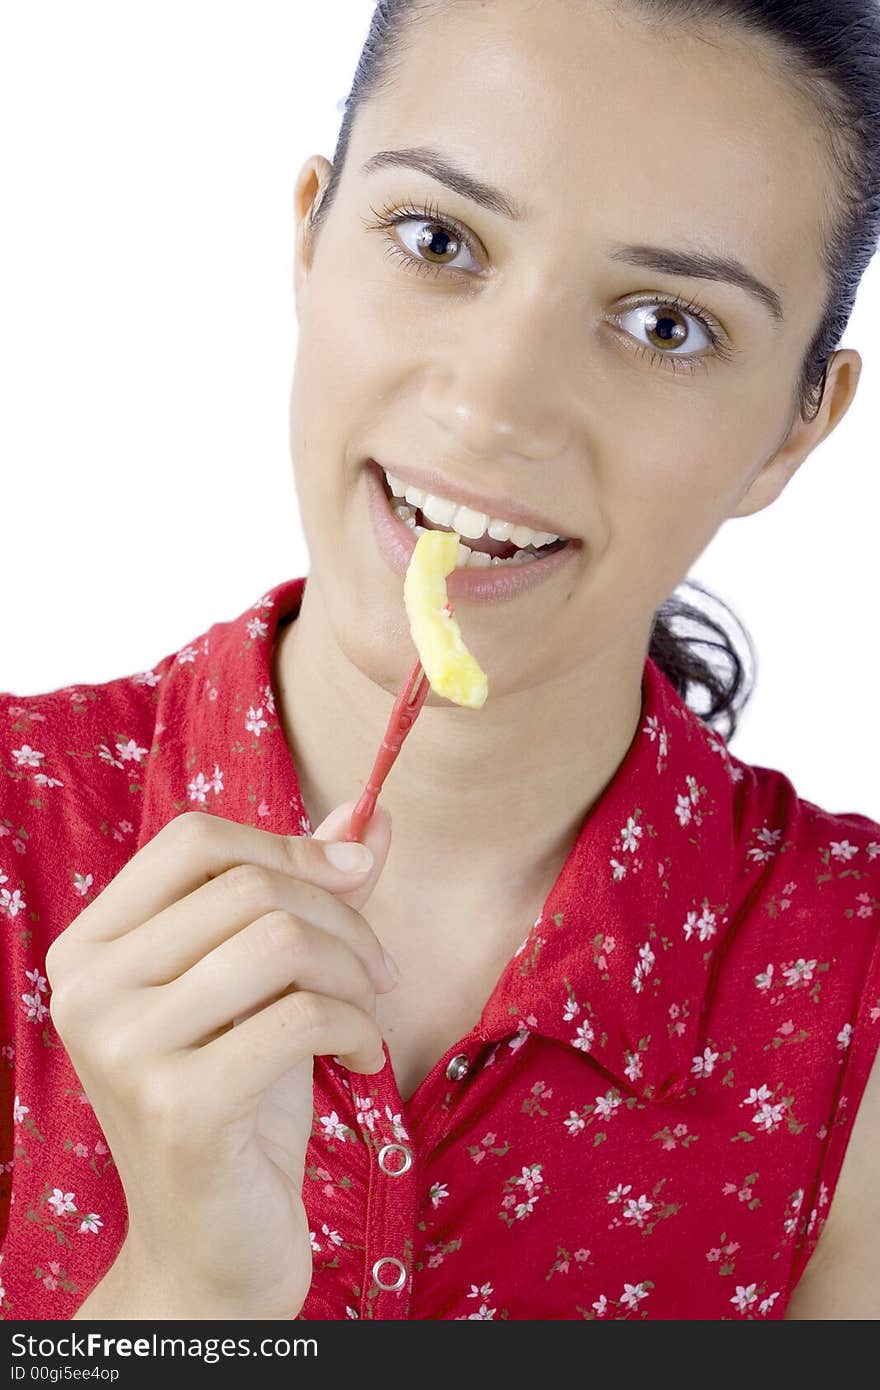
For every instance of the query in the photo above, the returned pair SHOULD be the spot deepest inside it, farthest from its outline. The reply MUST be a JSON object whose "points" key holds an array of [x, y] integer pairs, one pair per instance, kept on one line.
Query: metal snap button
{"points": [[395, 1148], [458, 1067], [401, 1277]]}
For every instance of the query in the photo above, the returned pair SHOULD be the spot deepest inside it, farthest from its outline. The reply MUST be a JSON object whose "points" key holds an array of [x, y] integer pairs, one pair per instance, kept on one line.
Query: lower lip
{"points": [[397, 543]]}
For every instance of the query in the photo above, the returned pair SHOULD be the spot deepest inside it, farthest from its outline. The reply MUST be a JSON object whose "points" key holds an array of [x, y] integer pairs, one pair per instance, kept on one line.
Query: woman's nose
{"points": [[505, 383]]}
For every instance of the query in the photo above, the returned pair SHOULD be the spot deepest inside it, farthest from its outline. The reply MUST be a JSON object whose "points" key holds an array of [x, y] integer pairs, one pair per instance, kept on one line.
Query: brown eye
{"points": [[665, 328], [662, 328], [434, 241]]}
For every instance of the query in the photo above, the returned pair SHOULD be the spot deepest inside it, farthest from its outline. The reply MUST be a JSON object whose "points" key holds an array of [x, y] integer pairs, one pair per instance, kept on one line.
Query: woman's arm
{"points": [[842, 1278]]}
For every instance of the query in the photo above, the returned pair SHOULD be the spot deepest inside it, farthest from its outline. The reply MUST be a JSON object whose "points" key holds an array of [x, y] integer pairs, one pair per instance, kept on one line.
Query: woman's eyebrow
{"points": [[697, 265], [436, 166], [701, 266]]}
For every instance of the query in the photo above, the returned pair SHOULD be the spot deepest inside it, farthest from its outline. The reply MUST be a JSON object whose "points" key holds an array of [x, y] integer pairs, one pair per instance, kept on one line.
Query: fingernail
{"points": [[391, 965], [349, 855]]}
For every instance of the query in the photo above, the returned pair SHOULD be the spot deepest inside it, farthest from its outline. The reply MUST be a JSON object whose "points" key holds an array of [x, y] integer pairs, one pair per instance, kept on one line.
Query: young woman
{"points": [[592, 1034]]}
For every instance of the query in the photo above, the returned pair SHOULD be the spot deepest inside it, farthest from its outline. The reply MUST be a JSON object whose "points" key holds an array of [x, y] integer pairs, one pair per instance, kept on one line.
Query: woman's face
{"points": [[527, 363]]}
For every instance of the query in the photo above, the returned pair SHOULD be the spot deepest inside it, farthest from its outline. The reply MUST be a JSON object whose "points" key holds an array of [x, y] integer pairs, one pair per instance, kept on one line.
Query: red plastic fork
{"points": [[410, 698]]}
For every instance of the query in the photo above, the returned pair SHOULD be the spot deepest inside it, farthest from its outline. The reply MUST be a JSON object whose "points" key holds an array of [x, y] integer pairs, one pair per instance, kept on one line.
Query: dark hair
{"points": [[830, 52]]}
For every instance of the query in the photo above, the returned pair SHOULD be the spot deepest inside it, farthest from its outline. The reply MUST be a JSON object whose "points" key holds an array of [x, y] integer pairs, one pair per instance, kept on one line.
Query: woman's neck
{"points": [[477, 798]]}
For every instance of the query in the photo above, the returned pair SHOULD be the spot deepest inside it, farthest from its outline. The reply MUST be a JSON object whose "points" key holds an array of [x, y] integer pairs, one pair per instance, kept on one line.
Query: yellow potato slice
{"points": [[447, 663]]}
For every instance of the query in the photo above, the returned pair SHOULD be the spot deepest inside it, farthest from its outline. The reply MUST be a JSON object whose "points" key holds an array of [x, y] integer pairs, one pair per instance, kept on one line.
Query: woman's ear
{"points": [[804, 436], [308, 192]]}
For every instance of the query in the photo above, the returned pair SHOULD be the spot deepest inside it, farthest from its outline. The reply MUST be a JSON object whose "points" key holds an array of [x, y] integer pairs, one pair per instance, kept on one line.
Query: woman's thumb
{"points": [[376, 837]]}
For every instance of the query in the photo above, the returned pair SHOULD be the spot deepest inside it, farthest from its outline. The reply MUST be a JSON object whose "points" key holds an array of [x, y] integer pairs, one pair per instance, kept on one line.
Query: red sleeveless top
{"points": [[647, 1120]]}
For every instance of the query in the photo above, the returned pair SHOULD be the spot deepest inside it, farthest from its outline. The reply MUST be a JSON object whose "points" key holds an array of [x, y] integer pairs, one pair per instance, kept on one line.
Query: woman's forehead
{"points": [[562, 106]]}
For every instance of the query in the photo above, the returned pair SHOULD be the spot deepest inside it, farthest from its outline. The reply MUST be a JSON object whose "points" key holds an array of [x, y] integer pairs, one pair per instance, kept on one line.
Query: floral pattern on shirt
{"points": [[648, 1119]]}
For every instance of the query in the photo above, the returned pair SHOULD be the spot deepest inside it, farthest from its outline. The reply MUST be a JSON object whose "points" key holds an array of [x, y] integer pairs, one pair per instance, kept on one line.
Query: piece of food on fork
{"points": [[444, 664], [449, 666]]}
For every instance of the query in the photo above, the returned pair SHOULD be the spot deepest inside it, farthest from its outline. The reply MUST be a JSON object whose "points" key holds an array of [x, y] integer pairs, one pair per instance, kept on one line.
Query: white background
{"points": [[147, 340]]}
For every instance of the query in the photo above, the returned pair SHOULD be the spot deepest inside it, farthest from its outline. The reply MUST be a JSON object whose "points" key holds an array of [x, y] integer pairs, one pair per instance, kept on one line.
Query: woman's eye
{"points": [[668, 329], [434, 244]]}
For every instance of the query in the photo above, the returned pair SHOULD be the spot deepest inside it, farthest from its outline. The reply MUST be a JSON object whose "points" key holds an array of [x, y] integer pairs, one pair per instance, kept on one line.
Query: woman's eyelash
{"points": [[392, 214]]}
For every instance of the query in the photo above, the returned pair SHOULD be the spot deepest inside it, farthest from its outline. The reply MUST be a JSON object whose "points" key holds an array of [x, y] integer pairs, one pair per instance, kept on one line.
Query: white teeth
{"points": [[438, 510], [397, 487], [465, 520], [469, 523]]}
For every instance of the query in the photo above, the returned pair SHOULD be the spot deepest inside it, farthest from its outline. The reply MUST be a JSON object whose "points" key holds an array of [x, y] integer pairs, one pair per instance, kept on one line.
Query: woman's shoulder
{"points": [[833, 855], [72, 769]]}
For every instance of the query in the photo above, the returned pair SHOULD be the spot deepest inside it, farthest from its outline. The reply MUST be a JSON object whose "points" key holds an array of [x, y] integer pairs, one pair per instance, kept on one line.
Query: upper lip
{"points": [[503, 508]]}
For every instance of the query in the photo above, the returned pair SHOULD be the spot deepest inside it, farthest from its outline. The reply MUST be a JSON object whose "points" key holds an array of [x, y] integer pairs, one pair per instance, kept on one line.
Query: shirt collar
{"points": [[620, 962]]}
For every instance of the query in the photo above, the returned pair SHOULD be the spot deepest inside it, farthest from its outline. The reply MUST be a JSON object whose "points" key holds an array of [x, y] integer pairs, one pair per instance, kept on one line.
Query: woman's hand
{"points": [[191, 996]]}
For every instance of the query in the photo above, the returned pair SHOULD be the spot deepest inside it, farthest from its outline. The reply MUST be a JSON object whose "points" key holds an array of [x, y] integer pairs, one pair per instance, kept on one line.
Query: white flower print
{"points": [[516, 1042], [606, 1105], [366, 1112], [334, 1128], [130, 752], [574, 1123], [767, 1303], [800, 973], [583, 1039], [484, 1314], [198, 789], [769, 1117], [764, 980], [636, 1210], [333, 1236], [484, 1291], [35, 1009], [530, 1177], [314, 1242], [618, 1193], [256, 628], [633, 1068], [571, 1010], [396, 1124], [844, 1036], [27, 756], [745, 1296], [437, 1192], [255, 723], [644, 967], [704, 925], [148, 678], [601, 1305], [705, 1065], [757, 1097], [843, 850], [186, 656], [12, 903], [61, 1202], [764, 851], [91, 1223], [525, 1208], [630, 835], [633, 1294], [683, 809], [19, 1111]]}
